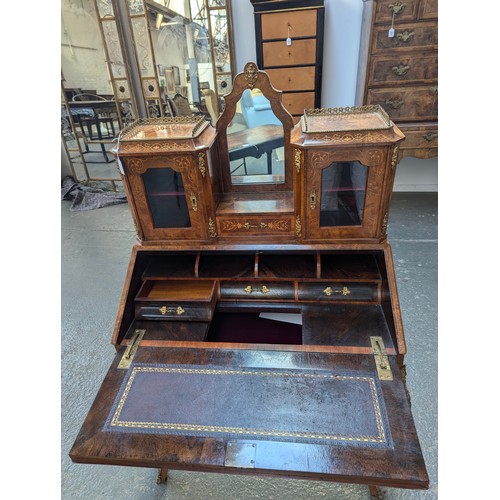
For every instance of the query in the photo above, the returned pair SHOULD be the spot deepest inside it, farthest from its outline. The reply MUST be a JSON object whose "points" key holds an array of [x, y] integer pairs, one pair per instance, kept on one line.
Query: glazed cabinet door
{"points": [[167, 197], [342, 193]]}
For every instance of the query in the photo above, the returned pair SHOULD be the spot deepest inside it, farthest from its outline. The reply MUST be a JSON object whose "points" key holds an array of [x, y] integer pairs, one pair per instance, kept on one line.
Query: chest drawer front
{"points": [[255, 225], [280, 54], [407, 103], [292, 78], [257, 290], [428, 9], [403, 11], [420, 138], [411, 68], [301, 23], [174, 311], [333, 291], [407, 36], [296, 103]]}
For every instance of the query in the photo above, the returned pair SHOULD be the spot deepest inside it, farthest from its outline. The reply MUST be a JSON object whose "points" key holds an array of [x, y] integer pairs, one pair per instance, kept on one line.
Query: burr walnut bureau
{"points": [[398, 68], [259, 329]]}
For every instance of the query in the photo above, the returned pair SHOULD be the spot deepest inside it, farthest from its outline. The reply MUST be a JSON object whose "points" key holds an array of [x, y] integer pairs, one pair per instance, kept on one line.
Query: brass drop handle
{"points": [[397, 7], [248, 289], [401, 69], [262, 225], [263, 289], [177, 310], [394, 103], [328, 291], [429, 136], [405, 36]]}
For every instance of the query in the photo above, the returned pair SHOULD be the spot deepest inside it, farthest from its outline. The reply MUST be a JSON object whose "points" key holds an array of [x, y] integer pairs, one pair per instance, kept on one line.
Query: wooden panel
{"points": [[400, 464], [292, 78], [403, 11], [302, 23], [296, 103], [407, 68], [428, 9], [279, 54], [407, 37], [407, 103]]}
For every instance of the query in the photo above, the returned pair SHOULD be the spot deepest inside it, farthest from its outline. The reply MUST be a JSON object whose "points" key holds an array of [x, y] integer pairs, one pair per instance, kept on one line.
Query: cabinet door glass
{"points": [[167, 198], [343, 188]]}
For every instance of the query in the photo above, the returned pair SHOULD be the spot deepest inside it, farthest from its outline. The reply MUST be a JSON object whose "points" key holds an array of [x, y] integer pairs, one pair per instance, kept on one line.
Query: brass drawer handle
{"points": [[177, 310], [405, 36], [401, 69], [394, 103], [430, 136], [397, 7], [328, 291], [248, 226], [263, 289]]}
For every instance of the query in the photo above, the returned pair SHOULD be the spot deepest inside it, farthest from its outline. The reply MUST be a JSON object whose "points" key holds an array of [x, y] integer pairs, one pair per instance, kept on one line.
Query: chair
{"points": [[211, 104], [181, 106], [102, 116], [256, 110]]}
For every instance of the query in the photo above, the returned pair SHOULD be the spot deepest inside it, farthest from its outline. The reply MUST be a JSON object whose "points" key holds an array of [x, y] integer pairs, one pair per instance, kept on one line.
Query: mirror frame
{"points": [[251, 78]]}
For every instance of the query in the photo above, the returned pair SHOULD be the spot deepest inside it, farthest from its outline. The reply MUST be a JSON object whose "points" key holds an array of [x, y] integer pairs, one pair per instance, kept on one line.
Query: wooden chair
{"points": [[103, 115]]}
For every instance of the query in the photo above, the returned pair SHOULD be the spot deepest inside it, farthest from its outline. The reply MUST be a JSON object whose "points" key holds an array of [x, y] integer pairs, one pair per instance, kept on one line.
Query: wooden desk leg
{"points": [[162, 476], [375, 492]]}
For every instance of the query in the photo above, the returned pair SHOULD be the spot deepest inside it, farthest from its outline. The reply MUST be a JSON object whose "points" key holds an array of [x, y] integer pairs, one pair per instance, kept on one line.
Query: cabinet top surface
{"points": [[179, 127]]}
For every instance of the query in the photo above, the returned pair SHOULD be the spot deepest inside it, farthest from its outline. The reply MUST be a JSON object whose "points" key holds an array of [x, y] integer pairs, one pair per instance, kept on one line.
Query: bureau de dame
{"points": [[259, 328]]}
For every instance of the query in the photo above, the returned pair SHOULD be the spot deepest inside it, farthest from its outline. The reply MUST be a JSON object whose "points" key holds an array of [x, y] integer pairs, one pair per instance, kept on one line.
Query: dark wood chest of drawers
{"points": [[294, 67], [400, 72]]}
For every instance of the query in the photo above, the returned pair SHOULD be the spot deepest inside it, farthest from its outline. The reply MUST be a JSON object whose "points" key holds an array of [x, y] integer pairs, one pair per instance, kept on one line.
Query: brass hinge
{"points": [[381, 359], [131, 349]]}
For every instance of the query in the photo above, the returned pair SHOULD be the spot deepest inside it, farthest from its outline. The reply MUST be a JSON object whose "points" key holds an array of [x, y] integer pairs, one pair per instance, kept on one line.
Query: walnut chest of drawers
{"points": [[400, 72], [294, 67]]}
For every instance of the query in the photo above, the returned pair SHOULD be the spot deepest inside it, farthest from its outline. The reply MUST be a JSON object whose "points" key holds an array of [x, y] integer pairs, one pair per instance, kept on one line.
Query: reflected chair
{"points": [[256, 110], [102, 116]]}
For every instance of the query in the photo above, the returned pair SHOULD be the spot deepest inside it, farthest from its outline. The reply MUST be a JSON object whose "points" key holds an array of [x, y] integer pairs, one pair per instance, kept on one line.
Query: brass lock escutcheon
{"points": [[329, 291], [312, 199], [175, 310], [194, 201]]}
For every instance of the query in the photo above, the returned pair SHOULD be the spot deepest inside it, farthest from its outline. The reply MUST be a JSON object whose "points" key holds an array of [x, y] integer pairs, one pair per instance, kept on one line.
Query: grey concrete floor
{"points": [[95, 251]]}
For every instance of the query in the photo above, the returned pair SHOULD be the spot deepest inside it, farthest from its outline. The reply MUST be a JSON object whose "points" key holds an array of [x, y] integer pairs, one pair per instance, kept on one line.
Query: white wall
{"points": [[340, 65]]}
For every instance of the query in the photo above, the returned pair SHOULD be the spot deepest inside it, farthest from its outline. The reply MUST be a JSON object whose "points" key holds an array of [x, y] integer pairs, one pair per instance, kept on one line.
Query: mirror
{"points": [[254, 135], [255, 141]]}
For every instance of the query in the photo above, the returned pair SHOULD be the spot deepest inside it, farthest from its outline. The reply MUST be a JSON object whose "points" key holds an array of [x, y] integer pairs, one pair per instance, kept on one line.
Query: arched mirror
{"points": [[254, 135]]}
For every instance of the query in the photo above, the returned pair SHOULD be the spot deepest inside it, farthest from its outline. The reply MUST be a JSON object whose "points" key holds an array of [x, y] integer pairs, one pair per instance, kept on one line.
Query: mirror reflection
{"points": [[255, 140]]}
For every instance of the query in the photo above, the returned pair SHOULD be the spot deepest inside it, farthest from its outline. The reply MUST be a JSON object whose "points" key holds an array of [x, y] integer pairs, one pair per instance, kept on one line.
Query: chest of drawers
{"points": [[400, 72], [295, 67]]}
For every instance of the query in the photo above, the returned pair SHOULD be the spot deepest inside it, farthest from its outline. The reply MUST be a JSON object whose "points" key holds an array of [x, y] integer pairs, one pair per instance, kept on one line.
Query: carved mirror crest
{"points": [[254, 134]]}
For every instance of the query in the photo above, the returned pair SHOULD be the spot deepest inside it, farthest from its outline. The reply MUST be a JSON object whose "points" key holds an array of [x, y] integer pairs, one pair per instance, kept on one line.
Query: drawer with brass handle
{"points": [[257, 290], [176, 300], [258, 225], [420, 137], [404, 10], [328, 291], [408, 36], [412, 68]]}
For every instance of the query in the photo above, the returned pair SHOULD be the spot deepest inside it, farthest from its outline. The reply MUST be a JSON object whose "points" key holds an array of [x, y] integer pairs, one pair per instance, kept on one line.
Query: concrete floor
{"points": [[95, 251]]}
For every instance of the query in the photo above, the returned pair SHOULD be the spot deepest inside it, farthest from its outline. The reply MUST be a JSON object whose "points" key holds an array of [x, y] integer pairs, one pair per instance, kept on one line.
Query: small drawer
{"points": [[407, 68], [301, 23], [407, 36], [257, 290], [334, 291], [293, 78], [421, 137], [405, 10], [295, 104], [280, 54], [428, 9], [255, 225], [418, 103], [174, 300]]}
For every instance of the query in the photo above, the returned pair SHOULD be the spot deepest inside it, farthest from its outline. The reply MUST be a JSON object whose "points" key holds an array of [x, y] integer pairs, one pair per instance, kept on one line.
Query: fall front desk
{"points": [[259, 329]]}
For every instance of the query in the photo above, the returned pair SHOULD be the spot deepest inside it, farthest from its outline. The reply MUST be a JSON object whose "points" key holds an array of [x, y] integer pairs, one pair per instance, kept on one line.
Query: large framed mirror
{"points": [[254, 136]]}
